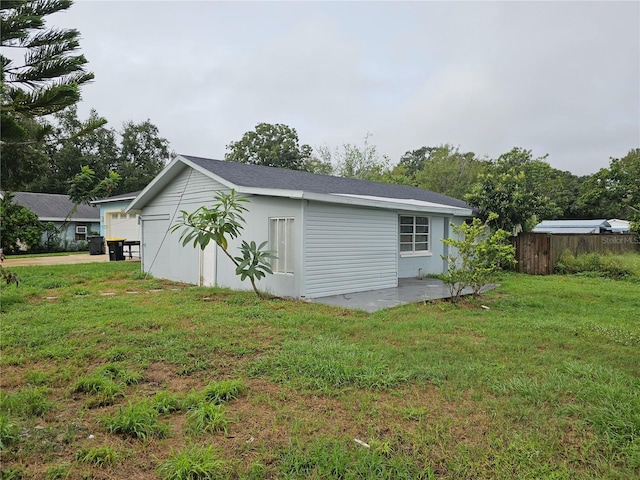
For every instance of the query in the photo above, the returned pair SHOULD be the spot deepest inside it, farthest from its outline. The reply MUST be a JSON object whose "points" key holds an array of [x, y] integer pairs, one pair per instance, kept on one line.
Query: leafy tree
{"points": [[476, 256], [220, 223], [143, 154], [511, 187], [20, 226], [46, 81], [85, 187], [270, 145], [614, 192], [97, 150], [354, 162], [137, 154], [443, 169]]}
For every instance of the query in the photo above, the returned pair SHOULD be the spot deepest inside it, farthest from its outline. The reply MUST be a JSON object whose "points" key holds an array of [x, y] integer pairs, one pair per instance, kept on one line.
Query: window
{"points": [[81, 233], [414, 235], [281, 242]]}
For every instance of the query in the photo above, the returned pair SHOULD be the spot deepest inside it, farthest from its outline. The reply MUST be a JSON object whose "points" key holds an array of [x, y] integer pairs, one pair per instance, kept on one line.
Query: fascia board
{"points": [[356, 201], [109, 200], [72, 219], [387, 204]]}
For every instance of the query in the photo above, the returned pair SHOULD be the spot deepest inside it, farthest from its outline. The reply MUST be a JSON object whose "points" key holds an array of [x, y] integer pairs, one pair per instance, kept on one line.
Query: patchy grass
{"points": [[101, 382]]}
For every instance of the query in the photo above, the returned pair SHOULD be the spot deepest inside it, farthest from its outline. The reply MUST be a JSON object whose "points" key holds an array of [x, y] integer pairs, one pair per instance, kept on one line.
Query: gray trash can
{"points": [[96, 245]]}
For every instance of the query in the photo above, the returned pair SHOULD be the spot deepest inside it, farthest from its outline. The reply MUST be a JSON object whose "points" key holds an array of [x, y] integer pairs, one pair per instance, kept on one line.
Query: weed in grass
{"points": [[118, 354], [414, 413], [37, 377], [58, 472], [207, 417], [326, 363], [101, 456], [224, 391], [11, 474], [29, 402], [8, 431], [193, 463], [104, 391], [139, 420], [164, 403], [115, 370], [198, 366], [192, 399]]}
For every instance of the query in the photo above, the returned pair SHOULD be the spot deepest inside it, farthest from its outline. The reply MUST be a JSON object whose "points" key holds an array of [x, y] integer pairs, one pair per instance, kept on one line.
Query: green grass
{"points": [[544, 384]]}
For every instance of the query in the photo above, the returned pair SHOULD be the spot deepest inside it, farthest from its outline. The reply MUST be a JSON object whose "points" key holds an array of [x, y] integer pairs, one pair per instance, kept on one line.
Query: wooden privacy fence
{"points": [[538, 253]]}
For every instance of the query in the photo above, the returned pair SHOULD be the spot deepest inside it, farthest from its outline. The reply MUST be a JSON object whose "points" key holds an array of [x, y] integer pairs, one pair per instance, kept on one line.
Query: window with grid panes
{"points": [[414, 234]]}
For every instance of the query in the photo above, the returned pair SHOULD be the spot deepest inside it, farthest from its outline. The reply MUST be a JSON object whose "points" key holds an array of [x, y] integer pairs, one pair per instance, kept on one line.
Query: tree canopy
{"points": [[512, 187], [443, 169], [137, 153], [270, 145]]}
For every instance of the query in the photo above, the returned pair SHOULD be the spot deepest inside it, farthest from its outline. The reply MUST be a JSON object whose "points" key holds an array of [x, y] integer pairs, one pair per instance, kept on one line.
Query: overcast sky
{"points": [[559, 78]]}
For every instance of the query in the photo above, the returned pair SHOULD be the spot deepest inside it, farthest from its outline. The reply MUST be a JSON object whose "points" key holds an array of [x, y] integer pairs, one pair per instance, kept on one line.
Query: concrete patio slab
{"points": [[409, 290]]}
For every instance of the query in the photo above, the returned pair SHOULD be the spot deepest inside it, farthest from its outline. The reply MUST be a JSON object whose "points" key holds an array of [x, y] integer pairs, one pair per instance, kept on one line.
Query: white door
{"points": [[208, 266]]}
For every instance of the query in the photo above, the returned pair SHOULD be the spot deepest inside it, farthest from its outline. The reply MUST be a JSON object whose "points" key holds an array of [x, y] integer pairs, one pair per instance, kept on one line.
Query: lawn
{"points": [[106, 374]]}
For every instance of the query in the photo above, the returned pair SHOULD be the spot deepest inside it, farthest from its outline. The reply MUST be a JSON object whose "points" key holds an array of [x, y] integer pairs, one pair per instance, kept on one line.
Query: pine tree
{"points": [[42, 73]]}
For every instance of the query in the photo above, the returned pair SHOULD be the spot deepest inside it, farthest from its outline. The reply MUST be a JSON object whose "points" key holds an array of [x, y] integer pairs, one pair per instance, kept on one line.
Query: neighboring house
{"points": [[115, 222], [621, 226], [54, 208], [573, 226], [332, 235]]}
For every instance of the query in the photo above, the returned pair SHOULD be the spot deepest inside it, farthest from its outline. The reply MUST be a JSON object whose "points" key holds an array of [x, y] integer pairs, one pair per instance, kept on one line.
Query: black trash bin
{"points": [[96, 245], [116, 249]]}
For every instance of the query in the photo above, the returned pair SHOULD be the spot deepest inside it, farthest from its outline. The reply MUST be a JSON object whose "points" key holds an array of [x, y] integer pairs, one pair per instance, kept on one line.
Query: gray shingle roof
{"points": [[256, 176], [49, 206]]}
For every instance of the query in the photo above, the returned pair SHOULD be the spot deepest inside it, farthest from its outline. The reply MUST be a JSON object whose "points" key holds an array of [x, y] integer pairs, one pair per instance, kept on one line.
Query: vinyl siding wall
{"points": [[163, 255], [348, 249]]}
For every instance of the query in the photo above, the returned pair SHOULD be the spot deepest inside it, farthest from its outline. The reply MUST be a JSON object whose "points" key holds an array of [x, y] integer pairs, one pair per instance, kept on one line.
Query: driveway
{"points": [[54, 260], [409, 290]]}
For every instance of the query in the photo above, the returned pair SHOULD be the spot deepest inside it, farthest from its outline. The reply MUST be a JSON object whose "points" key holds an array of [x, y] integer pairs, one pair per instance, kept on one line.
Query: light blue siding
{"points": [[348, 249]]}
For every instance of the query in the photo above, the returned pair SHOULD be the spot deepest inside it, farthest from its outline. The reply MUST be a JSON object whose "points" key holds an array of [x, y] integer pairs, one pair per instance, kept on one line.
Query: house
{"points": [[332, 235], [115, 222], [55, 208], [572, 226], [619, 226]]}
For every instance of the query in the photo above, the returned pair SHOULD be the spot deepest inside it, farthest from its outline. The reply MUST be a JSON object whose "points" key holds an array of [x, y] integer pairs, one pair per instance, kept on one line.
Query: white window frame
{"points": [[281, 242], [81, 230], [414, 233]]}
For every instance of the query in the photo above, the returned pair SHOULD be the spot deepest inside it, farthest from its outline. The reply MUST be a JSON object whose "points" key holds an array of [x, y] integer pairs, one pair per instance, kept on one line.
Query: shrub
{"points": [[604, 264], [476, 256]]}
